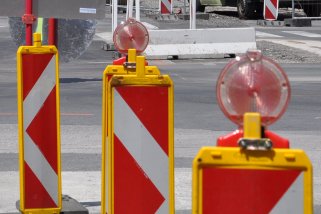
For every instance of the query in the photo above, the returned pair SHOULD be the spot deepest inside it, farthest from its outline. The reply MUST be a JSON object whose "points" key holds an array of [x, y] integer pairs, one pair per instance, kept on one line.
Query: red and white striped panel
{"points": [[166, 6], [40, 140], [141, 150], [271, 8], [252, 191]]}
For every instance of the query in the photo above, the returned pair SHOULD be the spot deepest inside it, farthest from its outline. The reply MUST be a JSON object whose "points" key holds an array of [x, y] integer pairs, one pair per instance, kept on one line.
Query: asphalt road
{"points": [[198, 120]]}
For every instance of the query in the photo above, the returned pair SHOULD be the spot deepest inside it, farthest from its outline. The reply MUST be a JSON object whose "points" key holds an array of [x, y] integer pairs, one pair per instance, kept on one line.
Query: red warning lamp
{"points": [[131, 34], [253, 83]]}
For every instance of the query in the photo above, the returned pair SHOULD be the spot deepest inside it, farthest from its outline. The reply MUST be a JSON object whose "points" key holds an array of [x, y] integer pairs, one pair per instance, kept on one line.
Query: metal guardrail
{"points": [[153, 5], [312, 9]]}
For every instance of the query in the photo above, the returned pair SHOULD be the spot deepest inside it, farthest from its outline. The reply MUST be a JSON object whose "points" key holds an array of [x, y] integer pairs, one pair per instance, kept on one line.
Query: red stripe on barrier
{"points": [[33, 65], [164, 9], [35, 194], [134, 192], [268, 14], [150, 105], [43, 130], [275, 3], [228, 191]]}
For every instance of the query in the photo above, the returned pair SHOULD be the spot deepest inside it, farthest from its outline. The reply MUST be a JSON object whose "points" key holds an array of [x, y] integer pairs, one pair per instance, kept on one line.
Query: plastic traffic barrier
{"points": [[138, 150], [39, 128], [233, 180]]}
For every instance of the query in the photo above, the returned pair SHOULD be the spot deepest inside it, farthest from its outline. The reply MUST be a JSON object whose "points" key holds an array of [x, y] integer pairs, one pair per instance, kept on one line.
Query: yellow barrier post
{"points": [[253, 178], [138, 115], [39, 128]]}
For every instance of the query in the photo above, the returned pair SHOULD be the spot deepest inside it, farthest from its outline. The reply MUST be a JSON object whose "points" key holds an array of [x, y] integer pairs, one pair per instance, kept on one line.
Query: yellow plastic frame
{"points": [[141, 76], [276, 159], [37, 48]]}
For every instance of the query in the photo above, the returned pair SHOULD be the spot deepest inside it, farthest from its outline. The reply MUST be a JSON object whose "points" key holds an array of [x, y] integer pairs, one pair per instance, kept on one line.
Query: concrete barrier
{"points": [[199, 43]]}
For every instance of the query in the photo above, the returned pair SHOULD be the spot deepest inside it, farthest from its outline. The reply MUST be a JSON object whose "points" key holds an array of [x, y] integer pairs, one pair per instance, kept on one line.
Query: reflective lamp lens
{"points": [[253, 83], [131, 35]]}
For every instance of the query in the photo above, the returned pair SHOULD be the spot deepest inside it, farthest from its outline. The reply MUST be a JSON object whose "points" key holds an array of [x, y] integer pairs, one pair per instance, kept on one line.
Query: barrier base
{"points": [[108, 47], [163, 17], [69, 206], [298, 22], [204, 16], [268, 23]]}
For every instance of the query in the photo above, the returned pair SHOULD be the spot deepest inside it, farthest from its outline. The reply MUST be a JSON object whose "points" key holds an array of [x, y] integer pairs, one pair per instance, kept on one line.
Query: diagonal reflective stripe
{"points": [[40, 167], [294, 196], [163, 208], [142, 146], [167, 4], [31, 106], [39, 93], [272, 8]]}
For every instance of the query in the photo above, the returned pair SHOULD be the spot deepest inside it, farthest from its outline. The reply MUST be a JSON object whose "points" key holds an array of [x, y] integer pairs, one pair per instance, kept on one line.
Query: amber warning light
{"points": [[253, 83]]}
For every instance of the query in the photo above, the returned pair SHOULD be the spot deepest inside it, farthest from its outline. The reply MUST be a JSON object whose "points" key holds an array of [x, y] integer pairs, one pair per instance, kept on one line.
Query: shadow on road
{"points": [[77, 80]]}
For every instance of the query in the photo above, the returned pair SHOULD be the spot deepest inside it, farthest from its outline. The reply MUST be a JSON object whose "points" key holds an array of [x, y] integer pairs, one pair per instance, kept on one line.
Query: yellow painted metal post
{"points": [[37, 50], [140, 66], [110, 71], [37, 40], [131, 55], [252, 125], [277, 160], [133, 73]]}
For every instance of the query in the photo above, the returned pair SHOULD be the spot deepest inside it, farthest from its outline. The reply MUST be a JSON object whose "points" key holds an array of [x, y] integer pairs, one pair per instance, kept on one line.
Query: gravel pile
{"points": [[222, 21], [285, 54]]}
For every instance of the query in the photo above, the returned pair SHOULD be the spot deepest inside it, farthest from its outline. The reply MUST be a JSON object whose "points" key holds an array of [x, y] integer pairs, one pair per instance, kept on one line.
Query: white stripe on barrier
{"points": [[41, 168], [272, 8], [167, 4], [142, 146], [163, 208], [293, 200], [31, 106], [39, 93]]}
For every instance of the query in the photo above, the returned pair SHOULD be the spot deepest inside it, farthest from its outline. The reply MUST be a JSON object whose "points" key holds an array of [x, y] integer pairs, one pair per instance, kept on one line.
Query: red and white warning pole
{"points": [[114, 9], [141, 152], [28, 19], [166, 6], [271, 8], [138, 164], [192, 12], [39, 132]]}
